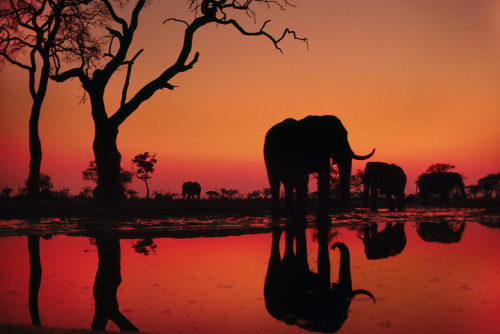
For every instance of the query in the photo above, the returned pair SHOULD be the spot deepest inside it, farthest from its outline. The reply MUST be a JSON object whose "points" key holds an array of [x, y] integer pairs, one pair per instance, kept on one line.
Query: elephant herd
{"points": [[294, 149]]}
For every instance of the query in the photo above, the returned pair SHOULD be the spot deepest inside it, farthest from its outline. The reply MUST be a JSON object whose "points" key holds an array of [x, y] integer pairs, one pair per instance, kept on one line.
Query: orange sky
{"points": [[416, 80]]}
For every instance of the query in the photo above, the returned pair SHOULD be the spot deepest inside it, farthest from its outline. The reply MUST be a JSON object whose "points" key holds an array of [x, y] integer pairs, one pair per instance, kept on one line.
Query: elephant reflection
{"points": [[440, 183], [297, 296], [444, 232], [385, 243], [107, 281], [390, 179], [294, 149], [191, 190]]}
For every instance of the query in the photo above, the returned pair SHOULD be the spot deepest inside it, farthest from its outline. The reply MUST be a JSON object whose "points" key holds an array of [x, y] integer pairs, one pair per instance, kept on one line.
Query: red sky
{"points": [[416, 80]]}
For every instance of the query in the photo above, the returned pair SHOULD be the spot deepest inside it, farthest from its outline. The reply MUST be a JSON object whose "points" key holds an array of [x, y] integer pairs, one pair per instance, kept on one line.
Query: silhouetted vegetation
{"points": [[91, 174], [46, 30], [95, 75], [44, 184], [145, 167]]}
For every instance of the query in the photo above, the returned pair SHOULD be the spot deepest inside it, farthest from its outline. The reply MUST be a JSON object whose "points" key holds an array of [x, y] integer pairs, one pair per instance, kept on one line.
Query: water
{"points": [[436, 272]]}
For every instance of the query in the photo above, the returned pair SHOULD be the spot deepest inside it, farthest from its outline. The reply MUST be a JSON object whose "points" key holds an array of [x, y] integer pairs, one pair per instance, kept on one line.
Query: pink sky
{"points": [[416, 80]]}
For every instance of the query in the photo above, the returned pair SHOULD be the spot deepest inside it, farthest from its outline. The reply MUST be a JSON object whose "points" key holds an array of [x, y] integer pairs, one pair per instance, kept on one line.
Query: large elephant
{"points": [[441, 183], [297, 296], [385, 243], [389, 179], [191, 190], [294, 149]]}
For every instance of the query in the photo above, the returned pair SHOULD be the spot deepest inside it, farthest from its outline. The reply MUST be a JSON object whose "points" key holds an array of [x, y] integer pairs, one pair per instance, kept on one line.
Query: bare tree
{"points": [[46, 30], [94, 82]]}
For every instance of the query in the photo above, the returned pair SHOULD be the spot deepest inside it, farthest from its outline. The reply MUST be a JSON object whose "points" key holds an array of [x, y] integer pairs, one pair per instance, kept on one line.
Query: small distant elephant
{"points": [[296, 295], [294, 149], [389, 179], [441, 183], [191, 190], [443, 232], [383, 244]]}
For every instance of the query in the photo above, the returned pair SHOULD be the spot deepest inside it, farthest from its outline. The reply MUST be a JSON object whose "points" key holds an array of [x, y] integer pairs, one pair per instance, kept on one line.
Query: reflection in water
{"points": [[385, 243], [296, 295], [444, 232], [35, 278], [214, 284], [107, 280]]}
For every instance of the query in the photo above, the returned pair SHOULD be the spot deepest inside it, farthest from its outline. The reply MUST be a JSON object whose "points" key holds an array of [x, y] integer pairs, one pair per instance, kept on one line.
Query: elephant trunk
{"points": [[345, 283], [363, 157]]}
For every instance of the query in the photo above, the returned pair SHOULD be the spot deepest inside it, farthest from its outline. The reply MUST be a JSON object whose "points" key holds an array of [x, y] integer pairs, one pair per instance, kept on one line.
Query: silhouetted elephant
{"points": [[107, 280], [390, 179], [444, 232], [297, 296], [440, 183], [191, 190], [294, 149], [380, 245]]}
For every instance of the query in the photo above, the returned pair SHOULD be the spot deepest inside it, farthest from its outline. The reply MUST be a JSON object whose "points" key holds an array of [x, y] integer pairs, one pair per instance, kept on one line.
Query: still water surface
{"points": [[428, 271]]}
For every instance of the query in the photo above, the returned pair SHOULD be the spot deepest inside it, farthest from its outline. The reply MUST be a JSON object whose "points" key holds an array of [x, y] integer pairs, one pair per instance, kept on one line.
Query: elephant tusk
{"points": [[364, 292], [362, 157]]}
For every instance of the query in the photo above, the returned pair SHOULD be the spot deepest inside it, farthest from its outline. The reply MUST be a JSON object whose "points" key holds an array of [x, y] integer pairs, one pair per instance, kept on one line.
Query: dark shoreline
{"points": [[23, 208]]}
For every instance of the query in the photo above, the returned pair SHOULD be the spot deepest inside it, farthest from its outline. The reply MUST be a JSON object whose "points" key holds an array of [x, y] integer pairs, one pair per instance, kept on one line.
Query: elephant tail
{"points": [[363, 157]]}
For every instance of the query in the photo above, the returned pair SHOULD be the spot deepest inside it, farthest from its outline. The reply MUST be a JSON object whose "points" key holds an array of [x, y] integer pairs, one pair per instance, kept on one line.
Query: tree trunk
{"points": [[147, 189], [107, 159], [35, 148]]}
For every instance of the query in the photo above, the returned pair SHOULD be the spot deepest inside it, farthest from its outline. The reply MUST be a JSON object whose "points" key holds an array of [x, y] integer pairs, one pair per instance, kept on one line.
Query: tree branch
{"points": [[127, 79], [261, 32]]}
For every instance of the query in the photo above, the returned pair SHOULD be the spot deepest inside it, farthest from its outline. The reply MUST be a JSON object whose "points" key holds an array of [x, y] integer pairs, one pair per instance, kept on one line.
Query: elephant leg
{"points": [[323, 194], [323, 257], [275, 185], [390, 202], [366, 194], [400, 200], [301, 189], [344, 181], [289, 200], [423, 197], [444, 198], [374, 197]]}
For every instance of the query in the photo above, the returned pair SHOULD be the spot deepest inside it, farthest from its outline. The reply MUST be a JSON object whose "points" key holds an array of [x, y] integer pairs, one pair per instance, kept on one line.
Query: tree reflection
{"points": [[297, 296], [107, 281], [35, 278], [444, 232], [385, 243]]}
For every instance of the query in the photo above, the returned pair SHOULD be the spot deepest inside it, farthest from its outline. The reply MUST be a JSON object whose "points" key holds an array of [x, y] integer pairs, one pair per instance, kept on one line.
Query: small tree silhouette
{"points": [[212, 194], [6, 192], [490, 184], [357, 181], [439, 168], [254, 194], [45, 184], [144, 163]]}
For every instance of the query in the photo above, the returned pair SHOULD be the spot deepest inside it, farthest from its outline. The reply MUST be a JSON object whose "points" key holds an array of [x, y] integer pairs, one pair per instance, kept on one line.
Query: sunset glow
{"points": [[418, 81]]}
